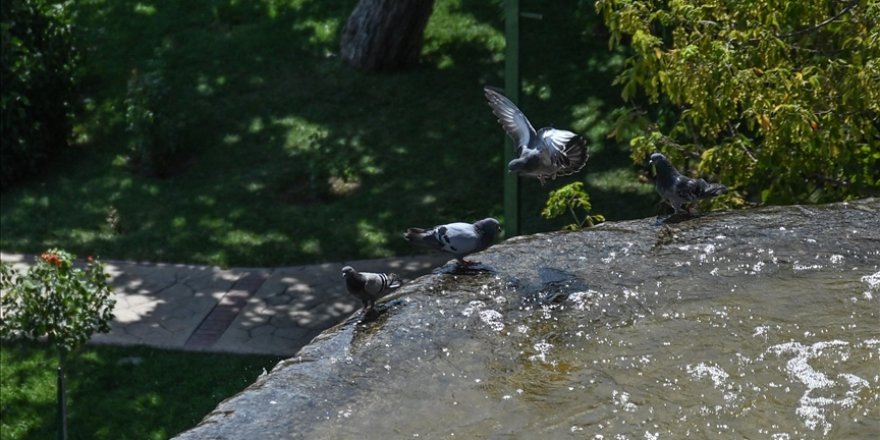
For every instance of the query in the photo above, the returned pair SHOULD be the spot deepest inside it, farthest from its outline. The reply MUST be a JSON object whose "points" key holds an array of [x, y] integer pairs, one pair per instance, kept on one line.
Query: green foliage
{"points": [[572, 198], [151, 121], [56, 300], [38, 65], [778, 99]]}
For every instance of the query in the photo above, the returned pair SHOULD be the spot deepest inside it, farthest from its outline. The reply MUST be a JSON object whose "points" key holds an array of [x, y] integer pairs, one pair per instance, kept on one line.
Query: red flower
{"points": [[51, 258]]}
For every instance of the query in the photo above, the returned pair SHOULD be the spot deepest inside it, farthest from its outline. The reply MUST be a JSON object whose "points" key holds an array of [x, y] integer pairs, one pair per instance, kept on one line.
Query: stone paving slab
{"points": [[240, 310]]}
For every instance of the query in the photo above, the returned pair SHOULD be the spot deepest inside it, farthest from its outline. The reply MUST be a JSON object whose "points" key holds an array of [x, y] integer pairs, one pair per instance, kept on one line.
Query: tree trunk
{"points": [[385, 35]]}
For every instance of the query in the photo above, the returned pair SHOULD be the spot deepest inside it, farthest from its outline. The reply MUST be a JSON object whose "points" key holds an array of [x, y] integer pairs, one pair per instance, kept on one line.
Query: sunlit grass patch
{"points": [[117, 392]]}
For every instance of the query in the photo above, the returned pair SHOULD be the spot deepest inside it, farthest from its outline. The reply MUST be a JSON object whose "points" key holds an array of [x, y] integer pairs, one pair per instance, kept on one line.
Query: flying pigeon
{"points": [[459, 239], [680, 190], [369, 287], [544, 154]]}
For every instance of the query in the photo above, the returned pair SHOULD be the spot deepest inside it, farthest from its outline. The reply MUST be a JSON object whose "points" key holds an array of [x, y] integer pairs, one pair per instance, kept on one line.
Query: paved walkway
{"points": [[239, 310]]}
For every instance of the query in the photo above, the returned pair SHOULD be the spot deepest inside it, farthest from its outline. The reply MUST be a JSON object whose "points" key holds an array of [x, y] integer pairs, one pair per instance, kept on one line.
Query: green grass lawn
{"points": [[269, 115], [117, 393]]}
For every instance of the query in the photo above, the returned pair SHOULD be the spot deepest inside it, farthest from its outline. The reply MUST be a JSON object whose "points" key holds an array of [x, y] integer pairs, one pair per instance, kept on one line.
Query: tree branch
{"points": [[821, 24]]}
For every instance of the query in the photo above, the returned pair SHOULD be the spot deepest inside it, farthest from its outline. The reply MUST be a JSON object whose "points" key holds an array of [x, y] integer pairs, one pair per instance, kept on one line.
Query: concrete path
{"points": [[239, 310]]}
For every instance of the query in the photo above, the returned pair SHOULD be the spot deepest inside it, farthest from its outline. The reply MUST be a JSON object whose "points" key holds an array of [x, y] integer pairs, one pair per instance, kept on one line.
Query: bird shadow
{"points": [[458, 269], [675, 218], [378, 312]]}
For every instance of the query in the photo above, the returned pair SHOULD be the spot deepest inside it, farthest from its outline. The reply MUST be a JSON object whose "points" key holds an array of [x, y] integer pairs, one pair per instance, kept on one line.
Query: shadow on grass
{"points": [[291, 156]]}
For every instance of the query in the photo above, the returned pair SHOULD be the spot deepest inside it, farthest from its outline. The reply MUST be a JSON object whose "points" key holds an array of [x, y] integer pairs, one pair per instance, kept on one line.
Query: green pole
{"points": [[62, 402], [511, 89]]}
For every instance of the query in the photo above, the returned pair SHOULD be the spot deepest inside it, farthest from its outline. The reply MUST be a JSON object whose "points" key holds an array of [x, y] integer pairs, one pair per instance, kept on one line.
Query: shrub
{"points": [[38, 73], [151, 125], [56, 301], [779, 100], [572, 199]]}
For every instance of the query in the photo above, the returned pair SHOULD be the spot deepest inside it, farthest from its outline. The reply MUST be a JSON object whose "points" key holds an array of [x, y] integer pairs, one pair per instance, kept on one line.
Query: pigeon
{"points": [[459, 239], [544, 154], [680, 190], [369, 287]]}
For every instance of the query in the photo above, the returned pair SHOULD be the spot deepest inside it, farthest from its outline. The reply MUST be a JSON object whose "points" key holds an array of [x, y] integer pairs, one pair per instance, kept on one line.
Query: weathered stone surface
{"points": [[536, 288]]}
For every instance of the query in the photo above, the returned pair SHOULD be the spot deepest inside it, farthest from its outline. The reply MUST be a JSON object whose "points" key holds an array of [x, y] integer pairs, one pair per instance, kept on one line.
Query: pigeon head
{"points": [[657, 158], [488, 226], [663, 167], [524, 164], [347, 271]]}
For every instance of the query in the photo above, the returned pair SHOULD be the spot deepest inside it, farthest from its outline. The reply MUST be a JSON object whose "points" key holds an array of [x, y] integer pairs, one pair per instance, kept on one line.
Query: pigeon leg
{"points": [[466, 263]]}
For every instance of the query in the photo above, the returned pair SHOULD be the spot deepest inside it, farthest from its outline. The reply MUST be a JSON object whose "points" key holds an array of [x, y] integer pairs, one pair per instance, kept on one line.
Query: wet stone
{"points": [[747, 324]]}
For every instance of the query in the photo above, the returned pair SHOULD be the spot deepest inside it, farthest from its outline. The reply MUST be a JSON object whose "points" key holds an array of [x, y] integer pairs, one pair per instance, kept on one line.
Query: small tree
{"points": [[572, 198], [777, 99], [56, 301]]}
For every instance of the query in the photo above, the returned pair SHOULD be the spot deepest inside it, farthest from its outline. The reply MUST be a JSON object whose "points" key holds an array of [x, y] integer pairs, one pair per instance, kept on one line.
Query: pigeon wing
{"points": [[457, 238], [377, 283], [687, 189], [567, 150], [511, 118]]}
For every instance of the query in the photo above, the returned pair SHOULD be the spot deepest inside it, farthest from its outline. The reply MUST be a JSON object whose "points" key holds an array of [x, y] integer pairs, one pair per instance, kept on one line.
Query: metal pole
{"points": [[511, 89], [62, 402]]}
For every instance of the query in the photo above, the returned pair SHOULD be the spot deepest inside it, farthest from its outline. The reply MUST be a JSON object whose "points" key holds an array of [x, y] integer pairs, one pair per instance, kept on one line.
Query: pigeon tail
{"points": [[393, 281], [714, 189], [414, 235], [577, 153]]}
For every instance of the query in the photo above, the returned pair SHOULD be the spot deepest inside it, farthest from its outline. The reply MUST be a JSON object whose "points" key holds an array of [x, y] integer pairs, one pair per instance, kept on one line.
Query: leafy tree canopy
{"points": [[778, 99]]}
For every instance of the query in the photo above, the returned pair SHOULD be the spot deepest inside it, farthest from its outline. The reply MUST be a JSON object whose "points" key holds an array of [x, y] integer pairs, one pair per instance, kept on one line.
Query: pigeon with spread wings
{"points": [[542, 154]]}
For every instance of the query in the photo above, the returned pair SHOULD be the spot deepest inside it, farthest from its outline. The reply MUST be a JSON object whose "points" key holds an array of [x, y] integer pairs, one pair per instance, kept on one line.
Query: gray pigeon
{"points": [[369, 287], [680, 190], [544, 154], [459, 239]]}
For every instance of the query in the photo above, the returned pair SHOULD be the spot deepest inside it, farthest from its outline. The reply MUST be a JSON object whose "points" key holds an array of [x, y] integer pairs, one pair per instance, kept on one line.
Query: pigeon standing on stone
{"points": [[680, 190], [369, 287], [459, 239], [544, 154]]}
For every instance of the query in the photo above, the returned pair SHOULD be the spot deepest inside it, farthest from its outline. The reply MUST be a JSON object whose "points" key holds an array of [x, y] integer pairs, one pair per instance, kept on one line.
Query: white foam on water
{"points": [[713, 372], [798, 267], [473, 306], [621, 399], [814, 409], [872, 280], [761, 330], [582, 299], [543, 348], [493, 319], [756, 268]]}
